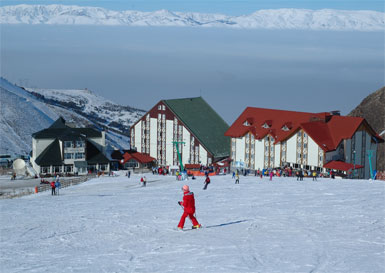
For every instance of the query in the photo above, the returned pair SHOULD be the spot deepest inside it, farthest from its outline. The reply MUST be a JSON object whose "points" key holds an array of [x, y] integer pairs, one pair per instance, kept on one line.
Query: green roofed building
{"points": [[61, 149], [190, 123]]}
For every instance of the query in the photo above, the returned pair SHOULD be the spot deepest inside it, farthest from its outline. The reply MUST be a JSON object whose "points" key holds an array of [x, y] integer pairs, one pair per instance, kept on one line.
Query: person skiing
{"points": [[53, 188], [188, 205], [271, 175], [57, 184], [144, 181], [207, 182], [237, 179]]}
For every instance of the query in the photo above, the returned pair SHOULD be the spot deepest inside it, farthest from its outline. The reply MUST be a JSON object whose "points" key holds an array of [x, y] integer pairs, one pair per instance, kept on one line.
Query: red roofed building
{"points": [[267, 138], [134, 160]]}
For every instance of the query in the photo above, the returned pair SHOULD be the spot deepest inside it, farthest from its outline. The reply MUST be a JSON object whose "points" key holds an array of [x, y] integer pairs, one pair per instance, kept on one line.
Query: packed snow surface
{"points": [[111, 224], [325, 19]]}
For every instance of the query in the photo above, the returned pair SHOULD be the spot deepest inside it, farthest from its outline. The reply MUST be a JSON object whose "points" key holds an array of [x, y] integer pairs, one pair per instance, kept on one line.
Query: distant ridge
{"points": [[325, 19]]}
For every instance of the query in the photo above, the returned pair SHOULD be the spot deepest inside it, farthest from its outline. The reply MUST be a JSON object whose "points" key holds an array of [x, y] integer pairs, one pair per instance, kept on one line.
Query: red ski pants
{"points": [[183, 218]]}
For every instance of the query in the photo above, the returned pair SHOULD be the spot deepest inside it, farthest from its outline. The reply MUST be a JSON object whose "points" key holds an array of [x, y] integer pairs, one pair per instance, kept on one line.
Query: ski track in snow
{"points": [[111, 224]]}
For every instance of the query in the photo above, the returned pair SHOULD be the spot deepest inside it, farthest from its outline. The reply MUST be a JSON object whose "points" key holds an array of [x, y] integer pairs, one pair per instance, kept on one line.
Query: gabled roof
{"points": [[94, 155], [59, 130], [51, 155], [325, 129], [275, 119], [141, 158], [59, 123], [207, 126]]}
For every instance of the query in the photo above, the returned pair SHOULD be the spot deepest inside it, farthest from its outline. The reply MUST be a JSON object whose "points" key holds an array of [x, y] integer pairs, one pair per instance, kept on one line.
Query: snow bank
{"points": [[111, 224]]}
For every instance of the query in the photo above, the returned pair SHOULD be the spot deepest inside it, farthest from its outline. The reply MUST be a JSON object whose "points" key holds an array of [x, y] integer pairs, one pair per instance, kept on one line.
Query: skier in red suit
{"points": [[188, 205]]}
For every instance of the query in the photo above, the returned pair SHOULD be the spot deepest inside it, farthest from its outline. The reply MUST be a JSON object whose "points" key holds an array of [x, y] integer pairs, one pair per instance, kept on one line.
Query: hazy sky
{"points": [[231, 7], [138, 66]]}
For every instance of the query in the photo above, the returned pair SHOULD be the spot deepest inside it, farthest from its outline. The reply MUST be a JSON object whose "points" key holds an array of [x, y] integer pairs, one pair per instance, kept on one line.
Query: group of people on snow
{"points": [[55, 186]]}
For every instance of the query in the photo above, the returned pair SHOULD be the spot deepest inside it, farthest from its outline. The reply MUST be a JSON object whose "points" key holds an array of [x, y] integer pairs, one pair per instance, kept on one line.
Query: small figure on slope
{"points": [[57, 184], [143, 180], [207, 182], [188, 205], [53, 188]]}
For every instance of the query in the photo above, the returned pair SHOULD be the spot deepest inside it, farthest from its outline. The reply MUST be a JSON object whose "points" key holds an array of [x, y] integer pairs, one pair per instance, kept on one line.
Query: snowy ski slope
{"points": [[111, 224]]}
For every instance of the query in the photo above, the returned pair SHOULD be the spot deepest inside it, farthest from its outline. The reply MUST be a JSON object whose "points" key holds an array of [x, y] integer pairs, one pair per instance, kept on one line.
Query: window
{"points": [[159, 107], [79, 155], [68, 168], [80, 144], [68, 144], [57, 169], [68, 155], [45, 169], [131, 164]]}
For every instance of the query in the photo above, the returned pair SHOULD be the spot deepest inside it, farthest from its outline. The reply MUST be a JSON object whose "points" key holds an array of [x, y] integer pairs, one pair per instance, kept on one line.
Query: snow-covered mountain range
{"points": [[325, 19], [24, 112]]}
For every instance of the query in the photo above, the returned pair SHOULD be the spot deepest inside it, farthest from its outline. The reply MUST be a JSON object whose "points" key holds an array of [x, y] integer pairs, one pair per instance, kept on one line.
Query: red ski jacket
{"points": [[188, 202], [53, 185]]}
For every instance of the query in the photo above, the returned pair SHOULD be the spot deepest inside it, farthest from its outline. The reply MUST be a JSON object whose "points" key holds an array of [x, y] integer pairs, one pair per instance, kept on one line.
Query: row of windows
{"points": [[74, 155], [74, 144]]}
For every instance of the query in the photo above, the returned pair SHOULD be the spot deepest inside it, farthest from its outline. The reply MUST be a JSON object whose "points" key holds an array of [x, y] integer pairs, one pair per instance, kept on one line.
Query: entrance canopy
{"points": [[341, 166]]}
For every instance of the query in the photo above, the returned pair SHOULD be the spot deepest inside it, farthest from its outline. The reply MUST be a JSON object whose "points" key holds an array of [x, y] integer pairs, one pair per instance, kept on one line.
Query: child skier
{"points": [[188, 205]]}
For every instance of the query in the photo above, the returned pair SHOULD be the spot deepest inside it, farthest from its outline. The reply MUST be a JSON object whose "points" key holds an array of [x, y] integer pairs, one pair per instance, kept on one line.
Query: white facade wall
{"points": [[153, 137], [202, 155], [169, 145], [186, 146], [240, 152], [98, 140], [292, 149], [312, 152], [277, 155], [259, 154], [138, 137]]}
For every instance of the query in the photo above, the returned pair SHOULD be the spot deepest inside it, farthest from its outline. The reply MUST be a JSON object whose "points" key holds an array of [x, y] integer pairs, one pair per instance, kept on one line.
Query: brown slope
{"points": [[372, 108]]}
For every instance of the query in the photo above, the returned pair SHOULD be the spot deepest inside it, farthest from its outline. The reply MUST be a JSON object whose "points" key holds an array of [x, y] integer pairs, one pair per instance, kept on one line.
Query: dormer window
{"points": [[285, 128], [246, 123], [265, 125]]}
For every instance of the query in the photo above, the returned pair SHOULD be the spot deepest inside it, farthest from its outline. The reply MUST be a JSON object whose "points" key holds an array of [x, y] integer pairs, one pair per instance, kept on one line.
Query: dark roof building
{"points": [[62, 149]]}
